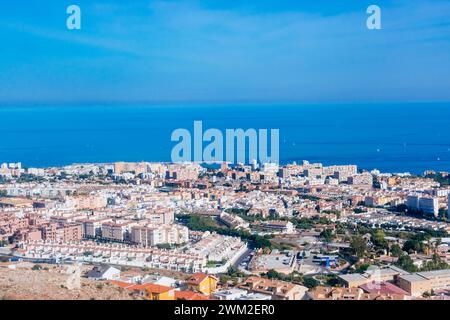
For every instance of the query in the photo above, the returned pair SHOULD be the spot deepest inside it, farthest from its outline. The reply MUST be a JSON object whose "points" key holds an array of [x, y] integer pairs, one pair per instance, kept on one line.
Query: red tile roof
{"points": [[197, 278], [382, 288], [150, 287], [189, 295]]}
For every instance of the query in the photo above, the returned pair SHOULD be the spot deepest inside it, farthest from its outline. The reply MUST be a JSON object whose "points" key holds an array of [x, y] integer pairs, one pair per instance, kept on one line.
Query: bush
{"points": [[36, 267], [310, 283], [406, 263]]}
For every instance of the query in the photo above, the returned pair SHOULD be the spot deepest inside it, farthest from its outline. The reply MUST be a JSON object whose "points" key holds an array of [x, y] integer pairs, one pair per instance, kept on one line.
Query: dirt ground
{"points": [[51, 283]]}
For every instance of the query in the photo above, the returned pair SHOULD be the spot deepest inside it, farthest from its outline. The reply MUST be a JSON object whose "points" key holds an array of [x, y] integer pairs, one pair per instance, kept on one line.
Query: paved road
{"points": [[5, 251], [237, 263]]}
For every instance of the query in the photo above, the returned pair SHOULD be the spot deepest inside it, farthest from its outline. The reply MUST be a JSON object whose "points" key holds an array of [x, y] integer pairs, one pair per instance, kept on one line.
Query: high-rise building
{"points": [[429, 205], [412, 202], [426, 204], [448, 204]]}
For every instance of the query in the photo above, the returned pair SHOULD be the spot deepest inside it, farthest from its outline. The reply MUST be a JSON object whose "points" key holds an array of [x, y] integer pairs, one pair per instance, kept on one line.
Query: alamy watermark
{"points": [[233, 145], [374, 275], [73, 21], [374, 20]]}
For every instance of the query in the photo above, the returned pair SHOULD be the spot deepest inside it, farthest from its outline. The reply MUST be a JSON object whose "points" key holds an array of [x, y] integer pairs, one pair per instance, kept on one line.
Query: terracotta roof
{"points": [[149, 287], [382, 288], [156, 288], [197, 278], [189, 295]]}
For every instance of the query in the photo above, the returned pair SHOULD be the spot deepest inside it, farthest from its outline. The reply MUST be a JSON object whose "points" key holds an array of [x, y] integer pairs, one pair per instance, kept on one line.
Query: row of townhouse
{"points": [[114, 254], [218, 247]]}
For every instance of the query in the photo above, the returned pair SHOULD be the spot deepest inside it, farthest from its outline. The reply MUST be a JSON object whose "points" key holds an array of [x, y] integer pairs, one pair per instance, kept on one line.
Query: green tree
{"points": [[396, 251], [379, 235], [379, 239], [332, 281], [310, 282], [359, 246], [436, 263], [406, 263], [327, 235], [361, 268], [36, 267], [411, 246], [272, 274]]}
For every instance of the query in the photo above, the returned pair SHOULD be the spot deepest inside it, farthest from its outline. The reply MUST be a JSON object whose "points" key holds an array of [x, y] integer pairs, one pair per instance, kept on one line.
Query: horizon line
{"points": [[209, 102]]}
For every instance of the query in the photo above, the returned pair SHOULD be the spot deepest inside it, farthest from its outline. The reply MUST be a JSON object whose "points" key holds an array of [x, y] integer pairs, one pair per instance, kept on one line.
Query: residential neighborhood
{"points": [[232, 232]]}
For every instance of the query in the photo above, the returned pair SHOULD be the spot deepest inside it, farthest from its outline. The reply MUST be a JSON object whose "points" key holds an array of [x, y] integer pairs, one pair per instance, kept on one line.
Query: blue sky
{"points": [[216, 50]]}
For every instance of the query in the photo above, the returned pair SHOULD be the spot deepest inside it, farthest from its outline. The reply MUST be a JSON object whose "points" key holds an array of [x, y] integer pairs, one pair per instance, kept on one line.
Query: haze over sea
{"points": [[397, 137]]}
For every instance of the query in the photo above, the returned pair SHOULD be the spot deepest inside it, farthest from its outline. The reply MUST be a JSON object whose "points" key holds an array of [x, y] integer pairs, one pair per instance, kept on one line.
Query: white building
{"points": [[426, 204], [230, 294], [448, 203], [93, 228], [116, 231], [278, 227], [429, 205], [103, 273], [152, 235]]}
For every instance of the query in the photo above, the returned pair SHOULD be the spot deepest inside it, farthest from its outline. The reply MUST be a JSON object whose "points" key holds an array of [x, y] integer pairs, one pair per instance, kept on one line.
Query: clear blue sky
{"points": [[221, 50]]}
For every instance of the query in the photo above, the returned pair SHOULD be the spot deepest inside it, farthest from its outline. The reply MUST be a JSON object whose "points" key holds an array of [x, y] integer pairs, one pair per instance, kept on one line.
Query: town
{"points": [[190, 231]]}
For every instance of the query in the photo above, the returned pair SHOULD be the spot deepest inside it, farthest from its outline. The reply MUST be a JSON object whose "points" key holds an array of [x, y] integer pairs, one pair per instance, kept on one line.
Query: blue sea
{"points": [[390, 137]]}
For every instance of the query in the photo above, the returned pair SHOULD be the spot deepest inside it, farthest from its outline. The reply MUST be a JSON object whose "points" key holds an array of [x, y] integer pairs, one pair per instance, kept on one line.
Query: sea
{"points": [[390, 137]]}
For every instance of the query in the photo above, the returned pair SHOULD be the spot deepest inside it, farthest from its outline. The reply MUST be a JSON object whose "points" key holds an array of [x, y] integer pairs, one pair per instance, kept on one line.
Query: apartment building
{"points": [[87, 202], [353, 280], [10, 170], [364, 179], [427, 204], [93, 228], [332, 293], [16, 203], [233, 221], [378, 200], [57, 232], [137, 168], [273, 226], [340, 172], [117, 231], [152, 235], [418, 283], [160, 215], [182, 171]]}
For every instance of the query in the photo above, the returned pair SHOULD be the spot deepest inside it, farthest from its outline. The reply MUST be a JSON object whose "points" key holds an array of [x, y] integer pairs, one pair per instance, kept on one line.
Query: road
{"points": [[237, 263], [5, 250]]}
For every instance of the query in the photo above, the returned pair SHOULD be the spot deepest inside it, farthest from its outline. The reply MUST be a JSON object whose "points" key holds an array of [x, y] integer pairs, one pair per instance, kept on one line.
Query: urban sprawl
{"points": [[189, 231]]}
